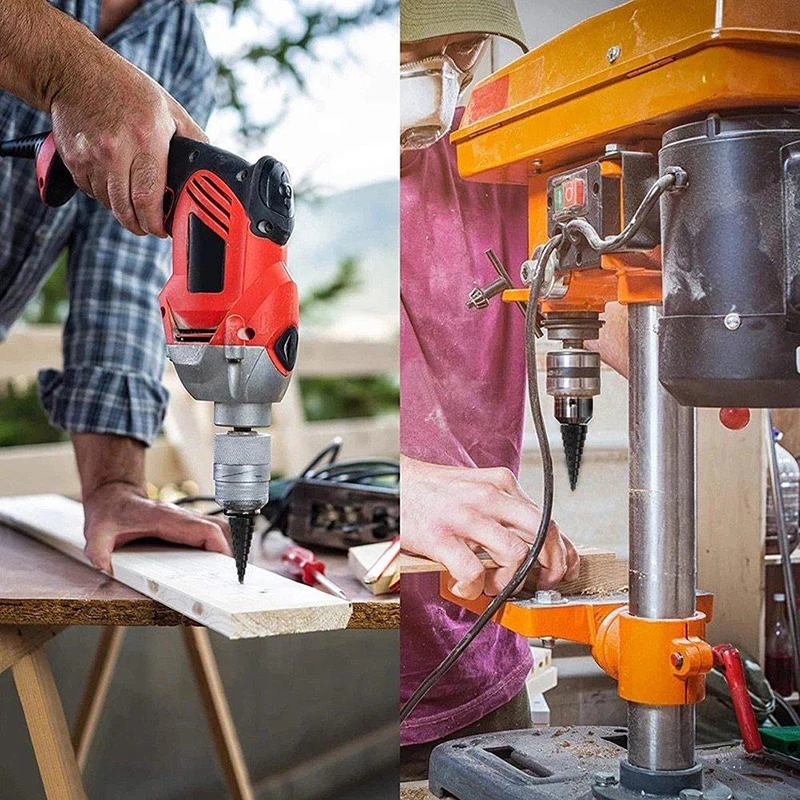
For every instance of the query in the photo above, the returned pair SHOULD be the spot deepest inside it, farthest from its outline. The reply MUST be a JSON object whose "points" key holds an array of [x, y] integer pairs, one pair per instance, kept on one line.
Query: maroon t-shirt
{"points": [[462, 404]]}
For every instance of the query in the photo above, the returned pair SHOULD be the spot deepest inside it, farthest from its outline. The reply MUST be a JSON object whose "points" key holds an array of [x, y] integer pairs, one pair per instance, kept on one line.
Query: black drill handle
{"points": [[264, 188]]}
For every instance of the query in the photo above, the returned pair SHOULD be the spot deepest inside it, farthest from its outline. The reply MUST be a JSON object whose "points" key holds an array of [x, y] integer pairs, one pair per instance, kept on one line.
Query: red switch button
{"points": [[574, 193]]}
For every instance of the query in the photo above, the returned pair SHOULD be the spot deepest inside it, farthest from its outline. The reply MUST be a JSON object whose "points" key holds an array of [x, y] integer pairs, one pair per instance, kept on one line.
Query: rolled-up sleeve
{"points": [[113, 343]]}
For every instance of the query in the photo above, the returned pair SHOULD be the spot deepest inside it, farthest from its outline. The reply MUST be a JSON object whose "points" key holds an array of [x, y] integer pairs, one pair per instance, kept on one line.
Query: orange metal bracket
{"points": [[657, 662]]}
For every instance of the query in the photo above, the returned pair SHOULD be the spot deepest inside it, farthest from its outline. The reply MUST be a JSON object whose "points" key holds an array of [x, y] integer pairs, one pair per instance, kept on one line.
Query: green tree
{"points": [[287, 52], [344, 398]]}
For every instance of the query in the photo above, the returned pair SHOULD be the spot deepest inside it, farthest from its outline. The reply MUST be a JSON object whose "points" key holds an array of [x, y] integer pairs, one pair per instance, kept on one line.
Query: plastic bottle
{"points": [[778, 666]]}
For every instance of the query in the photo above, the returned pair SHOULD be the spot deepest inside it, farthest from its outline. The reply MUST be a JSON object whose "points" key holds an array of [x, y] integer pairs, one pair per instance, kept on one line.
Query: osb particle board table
{"points": [[42, 592], [39, 586]]}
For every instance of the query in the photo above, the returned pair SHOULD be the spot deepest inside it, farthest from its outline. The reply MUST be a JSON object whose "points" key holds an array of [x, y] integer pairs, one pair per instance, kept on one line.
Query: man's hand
{"points": [[117, 509], [118, 513], [112, 124], [447, 513]]}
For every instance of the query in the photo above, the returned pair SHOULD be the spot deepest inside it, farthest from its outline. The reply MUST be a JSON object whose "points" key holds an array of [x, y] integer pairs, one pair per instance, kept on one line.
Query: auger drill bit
{"points": [[242, 526], [573, 437]]}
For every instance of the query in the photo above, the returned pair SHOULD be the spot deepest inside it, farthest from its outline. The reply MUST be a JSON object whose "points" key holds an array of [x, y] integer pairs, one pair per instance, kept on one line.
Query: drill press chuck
{"points": [[573, 378]]}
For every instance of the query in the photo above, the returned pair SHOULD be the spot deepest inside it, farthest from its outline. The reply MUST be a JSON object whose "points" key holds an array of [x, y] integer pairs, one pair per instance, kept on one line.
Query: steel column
{"points": [[661, 533]]}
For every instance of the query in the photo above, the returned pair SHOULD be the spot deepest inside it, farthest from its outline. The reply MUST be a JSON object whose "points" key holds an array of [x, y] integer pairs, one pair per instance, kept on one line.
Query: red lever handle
{"points": [[728, 660]]}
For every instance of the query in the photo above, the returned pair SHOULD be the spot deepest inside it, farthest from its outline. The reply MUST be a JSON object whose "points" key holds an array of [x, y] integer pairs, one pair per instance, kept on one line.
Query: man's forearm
{"points": [[613, 342], [104, 459], [39, 46]]}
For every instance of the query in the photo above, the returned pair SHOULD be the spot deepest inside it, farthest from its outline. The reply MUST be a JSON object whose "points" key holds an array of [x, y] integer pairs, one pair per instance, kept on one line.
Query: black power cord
{"points": [[325, 467], [547, 500]]}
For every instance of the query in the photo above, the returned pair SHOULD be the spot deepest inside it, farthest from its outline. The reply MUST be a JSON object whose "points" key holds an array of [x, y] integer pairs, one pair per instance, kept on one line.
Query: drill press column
{"points": [[661, 533]]}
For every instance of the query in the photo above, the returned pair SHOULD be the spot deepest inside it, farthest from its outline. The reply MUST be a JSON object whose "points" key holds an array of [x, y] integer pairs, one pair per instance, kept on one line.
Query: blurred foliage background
{"points": [[284, 57]]}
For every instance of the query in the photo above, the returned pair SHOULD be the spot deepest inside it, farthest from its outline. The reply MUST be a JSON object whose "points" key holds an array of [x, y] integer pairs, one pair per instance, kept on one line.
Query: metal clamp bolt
{"points": [[691, 794], [732, 321], [676, 659], [548, 597], [605, 779], [613, 53]]}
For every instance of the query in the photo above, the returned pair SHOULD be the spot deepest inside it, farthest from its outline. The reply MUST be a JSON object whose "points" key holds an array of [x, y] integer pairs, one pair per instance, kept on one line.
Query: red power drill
{"points": [[230, 309]]}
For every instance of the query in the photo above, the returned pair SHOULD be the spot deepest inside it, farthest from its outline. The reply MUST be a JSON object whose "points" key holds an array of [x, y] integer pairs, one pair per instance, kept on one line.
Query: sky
{"points": [[343, 132]]}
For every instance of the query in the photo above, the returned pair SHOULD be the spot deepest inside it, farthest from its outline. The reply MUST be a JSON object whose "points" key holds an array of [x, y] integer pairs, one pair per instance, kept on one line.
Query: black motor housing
{"points": [[730, 333]]}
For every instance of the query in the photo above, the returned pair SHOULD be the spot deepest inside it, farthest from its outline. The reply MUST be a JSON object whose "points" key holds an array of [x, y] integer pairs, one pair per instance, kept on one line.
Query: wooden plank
{"points": [[731, 502], [198, 584], [373, 615], [95, 691], [362, 558], [600, 572], [48, 728], [40, 586], [16, 642], [218, 713]]}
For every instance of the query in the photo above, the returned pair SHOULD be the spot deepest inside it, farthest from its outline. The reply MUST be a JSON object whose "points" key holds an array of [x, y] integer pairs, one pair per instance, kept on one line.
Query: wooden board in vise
{"points": [[601, 572], [198, 584]]}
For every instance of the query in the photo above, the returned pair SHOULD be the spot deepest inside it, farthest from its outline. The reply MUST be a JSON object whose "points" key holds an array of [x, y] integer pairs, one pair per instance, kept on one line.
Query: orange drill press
{"points": [[660, 144]]}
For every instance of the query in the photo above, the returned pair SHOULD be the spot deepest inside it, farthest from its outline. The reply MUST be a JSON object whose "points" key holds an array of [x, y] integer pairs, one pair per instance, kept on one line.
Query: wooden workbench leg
{"points": [[218, 713], [95, 691], [47, 727]]}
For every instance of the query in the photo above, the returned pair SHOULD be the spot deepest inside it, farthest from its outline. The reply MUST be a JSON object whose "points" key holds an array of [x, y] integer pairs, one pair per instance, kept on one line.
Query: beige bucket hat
{"points": [[426, 19]]}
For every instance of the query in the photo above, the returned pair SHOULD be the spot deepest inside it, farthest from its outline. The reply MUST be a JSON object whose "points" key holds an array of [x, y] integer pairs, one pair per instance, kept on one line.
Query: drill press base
{"points": [[574, 763]]}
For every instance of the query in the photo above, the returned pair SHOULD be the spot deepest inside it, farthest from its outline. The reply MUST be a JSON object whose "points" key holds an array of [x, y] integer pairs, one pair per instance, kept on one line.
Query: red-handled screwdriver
{"points": [[305, 566]]}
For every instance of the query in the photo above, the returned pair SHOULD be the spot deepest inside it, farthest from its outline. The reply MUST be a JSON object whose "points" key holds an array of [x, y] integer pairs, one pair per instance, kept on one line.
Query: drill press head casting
{"points": [[230, 312]]}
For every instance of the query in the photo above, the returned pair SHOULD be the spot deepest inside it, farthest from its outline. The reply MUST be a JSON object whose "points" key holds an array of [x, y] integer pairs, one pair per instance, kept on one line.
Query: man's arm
{"points": [[116, 507], [613, 342], [112, 124]]}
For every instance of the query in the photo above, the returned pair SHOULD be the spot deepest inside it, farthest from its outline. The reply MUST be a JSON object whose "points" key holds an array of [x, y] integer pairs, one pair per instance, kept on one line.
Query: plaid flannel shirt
{"points": [[113, 343]]}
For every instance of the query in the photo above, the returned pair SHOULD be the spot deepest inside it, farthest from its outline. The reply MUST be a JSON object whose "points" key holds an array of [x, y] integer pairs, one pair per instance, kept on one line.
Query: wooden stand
{"points": [[20, 650], [62, 758], [42, 592]]}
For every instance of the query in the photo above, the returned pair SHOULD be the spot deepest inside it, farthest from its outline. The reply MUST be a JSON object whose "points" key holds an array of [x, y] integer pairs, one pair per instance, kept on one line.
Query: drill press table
{"points": [[43, 591]]}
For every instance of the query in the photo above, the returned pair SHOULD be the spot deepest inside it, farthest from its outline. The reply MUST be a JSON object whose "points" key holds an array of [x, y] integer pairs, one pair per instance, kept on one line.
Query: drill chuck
{"points": [[573, 372], [242, 471], [573, 379]]}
